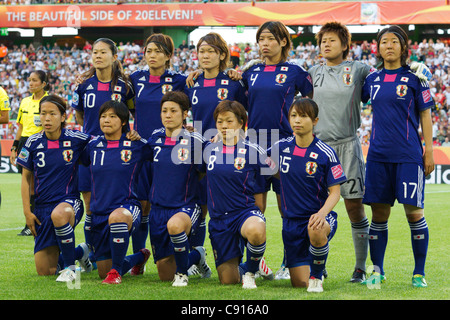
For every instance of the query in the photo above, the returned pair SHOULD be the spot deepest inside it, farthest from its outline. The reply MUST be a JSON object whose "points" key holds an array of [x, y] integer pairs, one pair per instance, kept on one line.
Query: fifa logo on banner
{"points": [[76, 283], [73, 17]]}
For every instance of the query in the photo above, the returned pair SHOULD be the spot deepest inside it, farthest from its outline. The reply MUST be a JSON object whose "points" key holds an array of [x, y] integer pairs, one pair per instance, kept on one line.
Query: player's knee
{"points": [[175, 226], [256, 233], [120, 215]]}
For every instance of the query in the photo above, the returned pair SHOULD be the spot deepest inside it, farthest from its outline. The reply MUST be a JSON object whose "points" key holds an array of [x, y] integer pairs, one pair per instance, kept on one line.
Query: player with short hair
{"points": [[232, 166], [114, 162], [209, 89], [310, 175], [397, 164], [104, 81], [51, 159], [272, 84], [150, 84], [337, 90], [176, 214]]}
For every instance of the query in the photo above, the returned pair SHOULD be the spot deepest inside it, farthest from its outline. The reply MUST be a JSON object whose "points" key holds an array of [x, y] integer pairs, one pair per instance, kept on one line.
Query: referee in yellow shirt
{"points": [[4, 116], [29, 122]]}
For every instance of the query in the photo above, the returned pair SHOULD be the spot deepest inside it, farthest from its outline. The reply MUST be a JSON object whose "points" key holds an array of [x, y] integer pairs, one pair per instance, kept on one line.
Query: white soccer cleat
{"points": [[85, 263], [315, 285], [248, 281], [66, 275], [203, 268], [180, 280], [283, 274], [264, 270]]}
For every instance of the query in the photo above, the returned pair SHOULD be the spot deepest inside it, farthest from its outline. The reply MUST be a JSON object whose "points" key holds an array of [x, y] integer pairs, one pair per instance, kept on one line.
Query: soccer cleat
{"points": [[418, 281], [66, 275], [25, 232], [139, 268], [202, 266], [264, 270], [375, 279], [85, 262], [282, 274], [180, 280], [315, 285], [248, 281], [113, 277], [193, 271], [358, 276]]}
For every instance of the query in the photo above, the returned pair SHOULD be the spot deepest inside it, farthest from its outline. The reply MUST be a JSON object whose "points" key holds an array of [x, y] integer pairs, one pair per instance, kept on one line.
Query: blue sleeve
{"points": [[304, 82], [365, 92], [85, 157], [77, 100], [423, 97], [25, 158]]}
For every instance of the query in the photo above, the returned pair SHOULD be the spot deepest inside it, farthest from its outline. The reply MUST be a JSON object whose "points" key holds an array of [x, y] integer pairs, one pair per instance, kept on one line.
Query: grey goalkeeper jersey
{"points": [[337, 92]]}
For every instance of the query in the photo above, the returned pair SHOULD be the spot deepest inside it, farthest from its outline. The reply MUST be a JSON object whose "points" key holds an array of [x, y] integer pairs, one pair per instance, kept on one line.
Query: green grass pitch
{"points": [[19, 281]]}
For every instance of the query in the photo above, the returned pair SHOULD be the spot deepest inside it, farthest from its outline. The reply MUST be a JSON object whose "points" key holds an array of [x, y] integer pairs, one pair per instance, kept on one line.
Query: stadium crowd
{"points": [[65, 63]]}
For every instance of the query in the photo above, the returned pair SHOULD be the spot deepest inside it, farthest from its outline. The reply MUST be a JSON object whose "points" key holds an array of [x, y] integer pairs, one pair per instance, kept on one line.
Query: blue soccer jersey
{"points": [[397, 97], [147, 102], [208, 93], [231, 173], [305, 175], [174, 168], [54, 164], [91, 94], [271, 91], [114, 166]]}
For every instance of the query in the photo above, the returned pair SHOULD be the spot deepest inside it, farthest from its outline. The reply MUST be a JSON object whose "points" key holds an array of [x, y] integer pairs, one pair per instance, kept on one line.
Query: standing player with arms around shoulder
{"points": [[397, 164], [310, 175], [209, 89], [272, 85], [51, 159], [175, 212], [29, 122], [232, 166], [114, 163], [105, 81], [337, 90], [150, 85]]}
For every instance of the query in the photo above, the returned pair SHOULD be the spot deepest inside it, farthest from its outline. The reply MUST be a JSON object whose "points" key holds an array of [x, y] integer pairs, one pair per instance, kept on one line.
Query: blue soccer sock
{"points": [[419, 239], [197, 237], [318, 257], [87, 229], [378, 239], [131, 260], [139, 236], [119, 241], [181, 251], [66, 240], [254, 256], [194, 257]]}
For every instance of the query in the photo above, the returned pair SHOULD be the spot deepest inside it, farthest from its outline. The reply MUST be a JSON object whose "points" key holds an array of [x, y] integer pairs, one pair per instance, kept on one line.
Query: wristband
{"points": [[15, 145]]}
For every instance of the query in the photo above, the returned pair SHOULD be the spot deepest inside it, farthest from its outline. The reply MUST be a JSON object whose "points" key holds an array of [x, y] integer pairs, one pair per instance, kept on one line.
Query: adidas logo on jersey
{"points": [[287, 150], [40, 146], [142, 79]]}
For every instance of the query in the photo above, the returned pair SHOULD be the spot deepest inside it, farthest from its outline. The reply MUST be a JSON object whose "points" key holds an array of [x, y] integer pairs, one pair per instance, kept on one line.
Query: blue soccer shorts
{"points": [[159, 236], [100, 231], [387, 182], [46, 236], [225, 234], [296, 240]]}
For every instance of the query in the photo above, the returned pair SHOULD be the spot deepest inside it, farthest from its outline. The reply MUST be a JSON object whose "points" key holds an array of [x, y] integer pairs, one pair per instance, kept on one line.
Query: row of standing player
{"points": [[283, 81]]}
